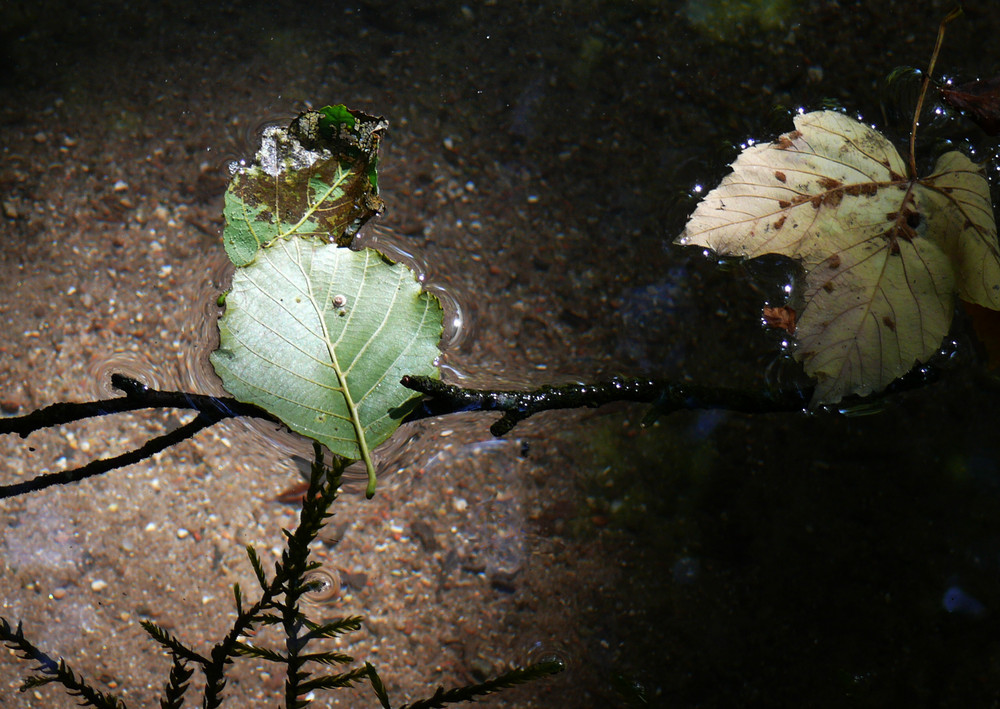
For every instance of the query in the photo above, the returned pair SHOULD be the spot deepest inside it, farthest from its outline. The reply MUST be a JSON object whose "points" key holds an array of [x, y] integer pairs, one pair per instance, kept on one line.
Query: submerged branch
{"points": [[138, 396], [104, 465], [439, 399]]}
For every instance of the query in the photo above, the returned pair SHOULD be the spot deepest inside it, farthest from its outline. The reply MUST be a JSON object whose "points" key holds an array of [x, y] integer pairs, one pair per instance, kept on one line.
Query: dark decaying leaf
{"points": [[979, 100], [314, 180]]}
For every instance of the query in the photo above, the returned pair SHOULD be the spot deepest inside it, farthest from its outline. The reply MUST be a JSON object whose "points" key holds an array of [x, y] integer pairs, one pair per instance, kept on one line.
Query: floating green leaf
{"points": [[314, 179], [884, 252], [320, 336], [315, 333]]}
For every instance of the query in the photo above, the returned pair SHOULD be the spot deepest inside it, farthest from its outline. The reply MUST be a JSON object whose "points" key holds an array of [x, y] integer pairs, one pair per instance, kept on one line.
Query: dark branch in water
{"points": [[137, 396], [665, 397], [439, 399]]}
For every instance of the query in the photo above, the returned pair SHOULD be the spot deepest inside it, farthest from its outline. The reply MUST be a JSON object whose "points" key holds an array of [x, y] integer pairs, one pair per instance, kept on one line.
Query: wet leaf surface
{"points": [[883, 253]]}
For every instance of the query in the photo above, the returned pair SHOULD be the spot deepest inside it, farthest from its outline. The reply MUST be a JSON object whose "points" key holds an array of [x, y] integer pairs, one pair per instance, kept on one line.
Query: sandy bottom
{"points": [[539, 162]]}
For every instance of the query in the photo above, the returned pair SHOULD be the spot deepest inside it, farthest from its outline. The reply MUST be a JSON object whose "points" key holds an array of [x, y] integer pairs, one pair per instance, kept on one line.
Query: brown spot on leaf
{"points": [[832, 198], [784, 204], [834, 261], [785, 142], [816, 201], [895, 176], [828, 183], [866, 189], [780, 176], [889, 323], [828, 287], [780, 223], [782, 317]]}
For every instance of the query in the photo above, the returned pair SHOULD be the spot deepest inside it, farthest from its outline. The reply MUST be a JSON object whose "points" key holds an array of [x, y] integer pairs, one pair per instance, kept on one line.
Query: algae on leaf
{"points": [[314, 179], [883, 252], [315, 333]]}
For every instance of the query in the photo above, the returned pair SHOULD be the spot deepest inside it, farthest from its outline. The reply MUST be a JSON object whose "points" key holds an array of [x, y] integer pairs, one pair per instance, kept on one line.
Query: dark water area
{"points": [[540, 161]]}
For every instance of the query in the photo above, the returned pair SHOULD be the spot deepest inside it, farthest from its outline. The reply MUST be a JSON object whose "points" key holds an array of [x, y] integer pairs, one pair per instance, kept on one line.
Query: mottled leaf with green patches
{"points": [[320, 336], [315, 179]]}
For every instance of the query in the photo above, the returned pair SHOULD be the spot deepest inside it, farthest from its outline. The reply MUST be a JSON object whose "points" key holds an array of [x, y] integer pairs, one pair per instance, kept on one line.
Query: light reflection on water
{"points": [[459, 318]]}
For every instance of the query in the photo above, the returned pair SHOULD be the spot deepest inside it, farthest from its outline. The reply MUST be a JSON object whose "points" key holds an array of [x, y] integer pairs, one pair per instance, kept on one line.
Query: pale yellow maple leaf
{"points": [[883, 253]]}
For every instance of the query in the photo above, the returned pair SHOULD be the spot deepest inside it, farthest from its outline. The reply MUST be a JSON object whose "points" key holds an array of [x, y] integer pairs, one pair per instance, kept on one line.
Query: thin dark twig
{"points": [[103, 465], [210, 410], [137, 396]]}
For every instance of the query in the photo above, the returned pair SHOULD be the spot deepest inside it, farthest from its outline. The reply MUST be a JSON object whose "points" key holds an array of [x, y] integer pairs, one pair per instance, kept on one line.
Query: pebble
{"points": [[59, 594], [182, 533], [9, 210], [40, 137], [98, 585], [120, 186]]}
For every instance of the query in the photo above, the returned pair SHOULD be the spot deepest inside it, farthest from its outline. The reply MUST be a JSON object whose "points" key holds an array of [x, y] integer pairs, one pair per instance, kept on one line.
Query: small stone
{"points": [[460, 504], [182, 533], [120, 186], [40, 137], [59, 594], [9, 210], [98, 585]]}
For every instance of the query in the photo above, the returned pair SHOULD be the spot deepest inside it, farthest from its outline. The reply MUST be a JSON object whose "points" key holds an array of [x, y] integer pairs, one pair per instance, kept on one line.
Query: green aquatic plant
{"points": [[727, 19], [278, 604]]}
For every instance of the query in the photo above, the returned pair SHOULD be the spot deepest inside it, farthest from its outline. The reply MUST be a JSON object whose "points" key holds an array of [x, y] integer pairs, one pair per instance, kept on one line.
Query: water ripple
{"points": [[128, 362]]}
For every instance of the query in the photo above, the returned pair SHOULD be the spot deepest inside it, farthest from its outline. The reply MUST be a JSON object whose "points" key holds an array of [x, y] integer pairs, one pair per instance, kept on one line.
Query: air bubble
{"points": [[130, 363], [324, 584], [549, 651]]}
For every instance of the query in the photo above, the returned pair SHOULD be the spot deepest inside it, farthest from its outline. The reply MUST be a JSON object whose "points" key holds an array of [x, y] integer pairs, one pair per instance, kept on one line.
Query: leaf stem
{"points": [[359, 430], [923, 89]]}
